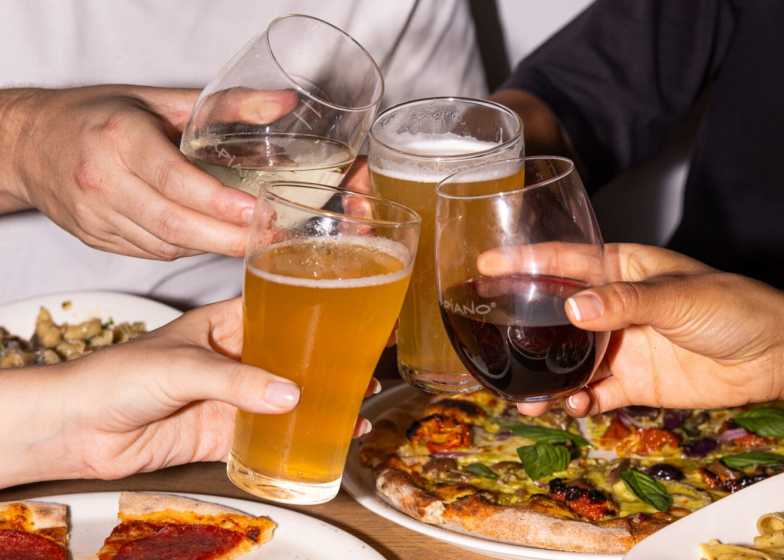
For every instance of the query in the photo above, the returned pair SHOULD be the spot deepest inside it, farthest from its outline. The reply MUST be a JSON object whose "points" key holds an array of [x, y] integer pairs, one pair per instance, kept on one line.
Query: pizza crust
{"points": [[513, 525], [43, 515], [138, 505]]}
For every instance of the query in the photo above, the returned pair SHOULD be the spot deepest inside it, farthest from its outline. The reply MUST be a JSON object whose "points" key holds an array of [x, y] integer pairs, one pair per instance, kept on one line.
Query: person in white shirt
{"points": [[101, 162]]}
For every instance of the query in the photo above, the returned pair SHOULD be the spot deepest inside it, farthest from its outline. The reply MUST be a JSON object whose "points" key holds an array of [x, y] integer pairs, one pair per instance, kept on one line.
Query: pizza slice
{"points": [[154, 526], [33, 531]]}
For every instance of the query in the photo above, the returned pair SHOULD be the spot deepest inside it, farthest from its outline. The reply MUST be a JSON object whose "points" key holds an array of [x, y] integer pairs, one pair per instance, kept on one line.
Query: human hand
{"points": [[688, 336], [101, 162], [165, 399]]}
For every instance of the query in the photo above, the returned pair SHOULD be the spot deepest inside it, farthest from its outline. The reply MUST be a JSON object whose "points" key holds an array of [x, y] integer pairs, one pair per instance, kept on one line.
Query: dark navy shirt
{"points": [[625, 73]]}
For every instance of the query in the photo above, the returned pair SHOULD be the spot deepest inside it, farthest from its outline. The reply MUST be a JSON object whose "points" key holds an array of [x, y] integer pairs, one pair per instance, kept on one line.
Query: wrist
{"points": [[20, 109], [33, 426]]}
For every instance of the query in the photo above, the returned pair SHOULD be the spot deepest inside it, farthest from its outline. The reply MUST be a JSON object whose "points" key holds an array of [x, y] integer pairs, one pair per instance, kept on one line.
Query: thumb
{"points": [[172, 104], [622, 304], [211, 376]]}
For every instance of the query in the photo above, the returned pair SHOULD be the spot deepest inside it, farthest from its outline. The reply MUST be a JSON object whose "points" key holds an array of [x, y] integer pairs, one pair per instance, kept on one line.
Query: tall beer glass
{"points": [[323, 288], [413, 146], [295, 104]]}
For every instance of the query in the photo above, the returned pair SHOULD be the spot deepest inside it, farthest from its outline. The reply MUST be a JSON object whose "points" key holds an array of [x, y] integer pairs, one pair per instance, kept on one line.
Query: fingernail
{"points": [[281, 394], [376, 387], [247, 216], [365, 427], [585, 306], [571, 402]]}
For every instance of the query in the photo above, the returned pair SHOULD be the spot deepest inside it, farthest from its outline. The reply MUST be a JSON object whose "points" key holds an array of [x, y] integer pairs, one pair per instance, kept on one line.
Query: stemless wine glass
{"points": [[413, 146], [506, 262], [323, 288], [294, 104]]}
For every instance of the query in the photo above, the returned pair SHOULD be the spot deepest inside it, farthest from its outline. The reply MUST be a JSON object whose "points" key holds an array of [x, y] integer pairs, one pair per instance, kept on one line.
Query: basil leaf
{"points": [[540, 434], [765, 421], [481, 470], [752, 459], [647, 489], [543, 459]]}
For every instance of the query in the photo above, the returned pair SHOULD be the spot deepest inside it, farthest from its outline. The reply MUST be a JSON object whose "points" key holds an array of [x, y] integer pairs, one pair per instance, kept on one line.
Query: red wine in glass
{"points": [[513, 335]]}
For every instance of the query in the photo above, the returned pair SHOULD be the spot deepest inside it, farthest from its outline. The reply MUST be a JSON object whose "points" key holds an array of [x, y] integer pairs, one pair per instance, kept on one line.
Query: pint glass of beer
{"points": [[413, 146], [323, 288]]}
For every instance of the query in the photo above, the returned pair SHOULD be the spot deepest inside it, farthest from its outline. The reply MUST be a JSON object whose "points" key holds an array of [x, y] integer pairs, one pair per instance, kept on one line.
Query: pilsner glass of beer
{"points": [[323, 288], [294, 104], [413, 146]]}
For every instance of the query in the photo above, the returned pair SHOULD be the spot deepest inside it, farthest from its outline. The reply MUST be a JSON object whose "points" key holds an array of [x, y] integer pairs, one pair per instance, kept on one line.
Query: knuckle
{"points": [[170, 225], [624, 297], [115, 125], [167, 252], [88, 177]]}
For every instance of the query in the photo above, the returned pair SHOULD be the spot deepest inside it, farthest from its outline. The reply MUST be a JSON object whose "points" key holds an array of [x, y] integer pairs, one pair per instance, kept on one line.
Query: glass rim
{"points": [[302, 90], [518, 132], [414, 217], [448, 180]]}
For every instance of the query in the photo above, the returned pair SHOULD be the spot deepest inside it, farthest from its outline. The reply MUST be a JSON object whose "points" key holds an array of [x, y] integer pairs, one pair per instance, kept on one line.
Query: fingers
{"points": [[244, 105], [581, 261], [662, 305], [362, 427], [358, 177], [210, 376], [173, 104], [181, 226], [155, 160], [602, 396], [534, 409], [373, 388]]}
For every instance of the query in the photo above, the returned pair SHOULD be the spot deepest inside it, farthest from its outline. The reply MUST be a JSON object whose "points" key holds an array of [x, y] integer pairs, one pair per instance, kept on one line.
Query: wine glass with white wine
{"points": [[295, 104]]}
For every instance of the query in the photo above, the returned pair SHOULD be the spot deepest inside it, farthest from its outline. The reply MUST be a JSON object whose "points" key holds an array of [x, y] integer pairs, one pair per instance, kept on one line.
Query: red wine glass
{"points": [[514, 240]]}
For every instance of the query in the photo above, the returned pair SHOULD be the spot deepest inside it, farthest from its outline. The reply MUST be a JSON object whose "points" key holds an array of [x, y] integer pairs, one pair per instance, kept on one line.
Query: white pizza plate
{"points": [[19, 317], [731, 520], [358, 481], [297, 537]]}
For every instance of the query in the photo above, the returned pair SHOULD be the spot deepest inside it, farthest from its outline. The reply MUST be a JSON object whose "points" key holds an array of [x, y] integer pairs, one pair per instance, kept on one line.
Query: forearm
{"points": [[17, 112], [33, 426]]}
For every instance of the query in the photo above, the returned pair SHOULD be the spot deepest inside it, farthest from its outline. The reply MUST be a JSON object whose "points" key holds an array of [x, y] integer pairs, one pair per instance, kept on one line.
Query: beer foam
{"points": [[432, 147], [392, 248]]}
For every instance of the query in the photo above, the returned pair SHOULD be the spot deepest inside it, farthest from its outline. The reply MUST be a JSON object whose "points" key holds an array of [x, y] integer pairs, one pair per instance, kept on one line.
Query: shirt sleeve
{"points": [[624, 72]]}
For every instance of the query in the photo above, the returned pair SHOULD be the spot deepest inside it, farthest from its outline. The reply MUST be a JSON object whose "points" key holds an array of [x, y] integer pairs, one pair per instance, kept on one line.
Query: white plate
{"points": [[297, 537], [19, 317], [732, 520], [358, 481]]}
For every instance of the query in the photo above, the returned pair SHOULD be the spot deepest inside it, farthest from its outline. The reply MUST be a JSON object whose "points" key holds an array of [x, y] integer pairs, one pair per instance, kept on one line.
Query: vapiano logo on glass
{"points": [[469, 308]]}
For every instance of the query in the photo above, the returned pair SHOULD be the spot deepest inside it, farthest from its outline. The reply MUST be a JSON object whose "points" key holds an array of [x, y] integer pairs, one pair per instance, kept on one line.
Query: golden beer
{"points": [[425, 355], [414, 146], [318, 311]]}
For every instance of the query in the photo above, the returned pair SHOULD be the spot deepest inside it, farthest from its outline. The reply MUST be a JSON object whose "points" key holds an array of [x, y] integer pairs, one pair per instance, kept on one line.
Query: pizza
{"points": [[33, 531], [472, 464], [155, 526]]}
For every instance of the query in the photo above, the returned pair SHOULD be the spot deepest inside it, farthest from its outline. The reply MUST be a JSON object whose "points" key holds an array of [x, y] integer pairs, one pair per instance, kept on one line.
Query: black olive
{"points": [[700, 447], [573, 493], [663, 471], [557, 485], [642, 412]]}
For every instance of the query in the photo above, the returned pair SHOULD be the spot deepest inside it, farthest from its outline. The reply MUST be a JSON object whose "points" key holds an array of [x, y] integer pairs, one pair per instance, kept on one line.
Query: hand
{"points": [[165, 399], [688, 336], [101, 163]]}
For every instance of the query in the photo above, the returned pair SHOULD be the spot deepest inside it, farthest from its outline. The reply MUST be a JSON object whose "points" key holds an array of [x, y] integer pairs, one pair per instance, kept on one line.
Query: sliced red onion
{"points": [[732, 434], [628, 420], [502, 436], [449, 454]]}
